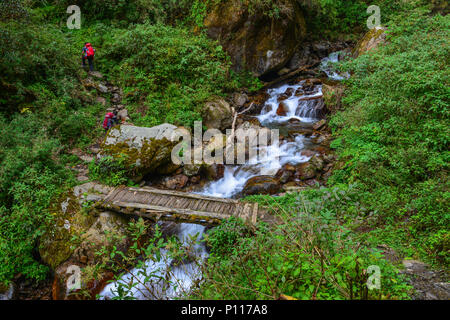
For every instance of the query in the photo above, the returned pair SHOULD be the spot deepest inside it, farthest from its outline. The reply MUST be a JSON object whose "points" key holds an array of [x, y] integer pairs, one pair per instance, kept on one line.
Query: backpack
{"points": [[90, 52], [106, 122]]}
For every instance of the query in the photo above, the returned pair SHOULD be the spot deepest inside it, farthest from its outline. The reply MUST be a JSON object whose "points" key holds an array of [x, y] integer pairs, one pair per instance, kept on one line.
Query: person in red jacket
{"points": [[88, 54], [110, 121]]}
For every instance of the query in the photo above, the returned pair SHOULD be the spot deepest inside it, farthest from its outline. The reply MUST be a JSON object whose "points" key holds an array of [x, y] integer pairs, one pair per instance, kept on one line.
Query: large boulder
{"points": [[261, 185], [56, 244], [254, 40], [217, 114], [109, 229], [310, 169], [370, 41], [145, 150]]}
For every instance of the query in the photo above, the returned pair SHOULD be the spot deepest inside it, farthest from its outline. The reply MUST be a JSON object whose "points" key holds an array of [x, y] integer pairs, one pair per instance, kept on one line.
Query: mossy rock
{"points": [[254, 40], [371, 40], [56, 245], [143, 150]]}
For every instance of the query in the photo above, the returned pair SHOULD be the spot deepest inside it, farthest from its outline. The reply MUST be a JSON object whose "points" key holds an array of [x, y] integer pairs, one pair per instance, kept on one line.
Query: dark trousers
{"points": [[90, 61]]}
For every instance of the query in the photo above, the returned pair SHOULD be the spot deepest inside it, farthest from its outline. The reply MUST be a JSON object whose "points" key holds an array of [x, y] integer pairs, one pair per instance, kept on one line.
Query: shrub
{"points": [[30, 179], [309, 255], [166, 72], [393, 137]]}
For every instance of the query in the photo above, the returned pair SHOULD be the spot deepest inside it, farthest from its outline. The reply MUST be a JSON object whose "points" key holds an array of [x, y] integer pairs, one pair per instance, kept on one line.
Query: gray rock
{"points": [[123, 114], [102, 88], [240, 99], [136, 136], [217, 115], [146, 150], [96, 74]]}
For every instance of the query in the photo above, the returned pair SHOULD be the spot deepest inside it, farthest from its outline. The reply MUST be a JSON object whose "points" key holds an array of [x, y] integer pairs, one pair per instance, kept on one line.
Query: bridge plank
{"points": [[154, 210], [184, 194], [175, 205]]}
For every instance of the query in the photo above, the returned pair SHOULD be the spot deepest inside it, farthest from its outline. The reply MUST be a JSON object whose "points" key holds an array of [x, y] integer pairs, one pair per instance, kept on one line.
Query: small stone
{"points": [[240, 99], [96, 74], [123, 114], [101, 100], [102, 88]]}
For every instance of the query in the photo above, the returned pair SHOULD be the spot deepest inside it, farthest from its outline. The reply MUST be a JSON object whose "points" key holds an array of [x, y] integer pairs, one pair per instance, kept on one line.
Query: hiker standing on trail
{"points": [[88, 53], [110, 121]]}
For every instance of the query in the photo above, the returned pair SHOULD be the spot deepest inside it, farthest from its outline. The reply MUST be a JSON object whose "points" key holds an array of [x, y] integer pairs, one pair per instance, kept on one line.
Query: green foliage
{"points": [[308, 256], [109, 170], [35, 64], [42, 113], [393, 136], [167, 73], [30, 179], [225, 238]]}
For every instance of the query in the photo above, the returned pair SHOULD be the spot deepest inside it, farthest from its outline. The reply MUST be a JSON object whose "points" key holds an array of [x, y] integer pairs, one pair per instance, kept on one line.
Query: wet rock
{"points": [[217, 115], [282, 109], [286, 95], [195, 179], [308, 153], [323, 139], [283, 71], [169, 228], [294, 121], [285, 176], [261, 185], [310, 169], [177, 182], [146, 150], [253, 40], [191, 170], [299, 92], [214, 171]]}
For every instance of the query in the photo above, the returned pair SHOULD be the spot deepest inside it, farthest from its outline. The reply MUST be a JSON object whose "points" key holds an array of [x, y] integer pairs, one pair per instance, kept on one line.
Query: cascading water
{"points": [[327, 66], [163, 284], [300, 103]]}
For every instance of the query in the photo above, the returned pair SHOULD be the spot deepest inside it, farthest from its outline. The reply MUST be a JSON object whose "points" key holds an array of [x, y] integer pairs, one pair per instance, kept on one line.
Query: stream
{"points": [[300, 102]]}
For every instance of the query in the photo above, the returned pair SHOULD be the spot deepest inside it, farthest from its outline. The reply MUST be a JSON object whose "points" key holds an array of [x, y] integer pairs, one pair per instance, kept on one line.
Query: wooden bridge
{"points": [[159, 204]]}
